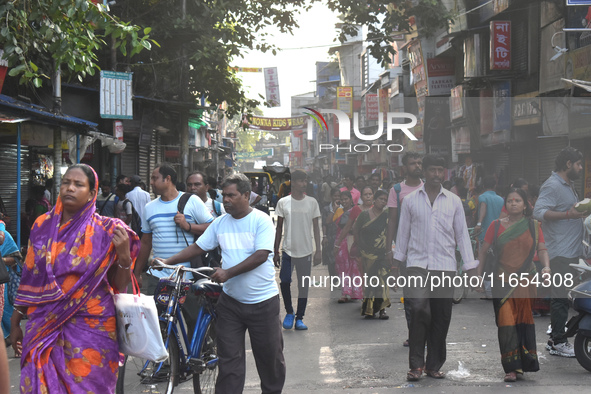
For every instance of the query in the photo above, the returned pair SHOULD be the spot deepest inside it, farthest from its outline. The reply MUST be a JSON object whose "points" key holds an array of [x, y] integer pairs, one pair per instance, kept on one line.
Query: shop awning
{"points": [[13, 108], [578, 83]]}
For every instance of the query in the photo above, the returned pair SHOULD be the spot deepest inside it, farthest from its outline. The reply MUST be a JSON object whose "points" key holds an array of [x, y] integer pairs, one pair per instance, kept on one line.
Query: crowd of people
{"points": [[87, 245]]}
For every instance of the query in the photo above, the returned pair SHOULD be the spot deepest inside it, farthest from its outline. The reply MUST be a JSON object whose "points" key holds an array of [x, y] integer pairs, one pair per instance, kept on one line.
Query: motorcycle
{"points": [[579, 326]]}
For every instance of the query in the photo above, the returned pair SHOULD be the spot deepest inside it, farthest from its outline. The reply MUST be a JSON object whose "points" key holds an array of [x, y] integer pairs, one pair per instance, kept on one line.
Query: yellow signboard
{"points": [[247, 69]]}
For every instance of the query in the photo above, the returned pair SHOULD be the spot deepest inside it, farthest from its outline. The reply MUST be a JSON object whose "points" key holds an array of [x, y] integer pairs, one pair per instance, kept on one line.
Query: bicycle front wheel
{"points": [[145, 376], [204, 381]]}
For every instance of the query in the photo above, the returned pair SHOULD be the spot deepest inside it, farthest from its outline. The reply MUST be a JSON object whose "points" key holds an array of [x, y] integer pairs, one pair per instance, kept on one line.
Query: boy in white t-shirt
{"points": [[299, 213]]}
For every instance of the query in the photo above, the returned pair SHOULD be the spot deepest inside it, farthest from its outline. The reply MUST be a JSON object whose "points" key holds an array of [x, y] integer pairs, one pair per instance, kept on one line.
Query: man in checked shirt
{"points": [[427, 247]]}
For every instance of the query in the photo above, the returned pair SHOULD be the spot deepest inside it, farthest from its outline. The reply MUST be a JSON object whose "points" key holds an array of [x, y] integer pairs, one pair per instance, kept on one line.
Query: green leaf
{"points": [[37, 82], [34, 66], [147, 30]]}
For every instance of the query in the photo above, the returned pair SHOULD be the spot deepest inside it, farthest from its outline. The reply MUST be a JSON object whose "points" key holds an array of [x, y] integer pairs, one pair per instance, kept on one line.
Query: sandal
{"points": [[370, 316], [435, 374], [383, 315], [414, 375], [510, 377]]}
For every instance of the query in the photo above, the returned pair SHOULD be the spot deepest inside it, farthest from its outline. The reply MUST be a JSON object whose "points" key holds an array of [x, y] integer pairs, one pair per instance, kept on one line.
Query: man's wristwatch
{"points": [[478, 224]]}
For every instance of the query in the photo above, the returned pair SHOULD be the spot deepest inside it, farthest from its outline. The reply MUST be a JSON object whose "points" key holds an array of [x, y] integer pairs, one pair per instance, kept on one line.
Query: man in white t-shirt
{"points": [[412, 164], [138, 197], [299, 213], [250, 299], [167, 231]]}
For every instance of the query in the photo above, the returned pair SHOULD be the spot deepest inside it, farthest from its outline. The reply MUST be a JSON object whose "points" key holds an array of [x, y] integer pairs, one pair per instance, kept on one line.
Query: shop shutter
{"points": [[516, 163], [129, 157], [548, 149], [501, 166], [155, 157], [8, 181], [144, 162], [530, 164]]}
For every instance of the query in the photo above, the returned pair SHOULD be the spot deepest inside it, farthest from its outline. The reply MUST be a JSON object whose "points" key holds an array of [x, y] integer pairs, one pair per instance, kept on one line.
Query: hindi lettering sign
{"points": [[254, 155], [345, 99]]}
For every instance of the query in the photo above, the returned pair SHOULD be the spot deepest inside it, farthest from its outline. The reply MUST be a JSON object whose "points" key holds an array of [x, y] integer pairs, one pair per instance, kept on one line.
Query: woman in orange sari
{"points": [[515, 240], [74, 260]]}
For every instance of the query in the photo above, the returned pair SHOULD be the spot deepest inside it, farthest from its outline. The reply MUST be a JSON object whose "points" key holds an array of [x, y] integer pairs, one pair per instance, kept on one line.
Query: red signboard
{"points": [[371, 106], [500, 45]]}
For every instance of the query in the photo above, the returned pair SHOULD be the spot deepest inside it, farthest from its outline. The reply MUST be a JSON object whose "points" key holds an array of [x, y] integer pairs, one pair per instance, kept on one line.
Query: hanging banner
{"points": [[254, 155], [246, 69], [272, 86], [277, 124], [345, 99], [500, 45]]}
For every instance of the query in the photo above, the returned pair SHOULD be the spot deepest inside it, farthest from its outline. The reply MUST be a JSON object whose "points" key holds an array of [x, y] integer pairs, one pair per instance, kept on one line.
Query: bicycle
{"points": [[461, 291], [197, 357]]}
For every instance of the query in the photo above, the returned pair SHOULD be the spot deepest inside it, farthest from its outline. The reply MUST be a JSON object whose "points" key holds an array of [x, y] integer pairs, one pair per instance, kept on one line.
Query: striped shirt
{"points": [[428, 235], [167, 238]]}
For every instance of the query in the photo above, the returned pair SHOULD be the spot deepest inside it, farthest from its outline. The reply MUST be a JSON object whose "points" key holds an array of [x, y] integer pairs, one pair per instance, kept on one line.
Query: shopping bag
{"points": [[138, 329], [14, 273]]}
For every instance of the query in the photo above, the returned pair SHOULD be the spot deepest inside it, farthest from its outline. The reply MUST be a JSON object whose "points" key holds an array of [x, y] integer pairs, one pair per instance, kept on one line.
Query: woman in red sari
{"points": [[75, 259], [517, 239]]}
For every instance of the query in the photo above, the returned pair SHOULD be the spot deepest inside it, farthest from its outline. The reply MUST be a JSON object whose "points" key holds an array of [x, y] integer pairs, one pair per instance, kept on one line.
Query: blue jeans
{"points": [[303, 267]]}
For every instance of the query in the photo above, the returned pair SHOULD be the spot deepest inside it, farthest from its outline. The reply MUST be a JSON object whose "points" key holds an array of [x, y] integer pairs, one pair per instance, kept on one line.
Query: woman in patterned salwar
{"points": [[74, 261], [370, 238], [517, 238]]}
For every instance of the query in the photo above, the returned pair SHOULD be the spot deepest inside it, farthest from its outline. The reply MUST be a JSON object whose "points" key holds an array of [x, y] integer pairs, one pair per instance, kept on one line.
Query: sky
{"points": [[296, 68]]}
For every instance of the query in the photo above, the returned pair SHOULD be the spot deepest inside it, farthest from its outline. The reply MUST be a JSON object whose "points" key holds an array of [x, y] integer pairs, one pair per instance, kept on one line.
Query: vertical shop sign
{"points": [[500, 45], [345, 99], [371, 106], [272, 86]]}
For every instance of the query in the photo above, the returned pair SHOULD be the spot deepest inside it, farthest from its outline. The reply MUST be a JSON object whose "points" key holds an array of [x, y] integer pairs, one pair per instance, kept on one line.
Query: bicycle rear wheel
{"points": [[148, 376], [204, 381]]}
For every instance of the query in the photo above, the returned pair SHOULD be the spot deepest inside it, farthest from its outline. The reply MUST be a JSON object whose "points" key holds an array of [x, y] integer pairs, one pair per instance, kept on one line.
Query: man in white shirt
{"points": [[250, 299], [138, 197], [432, 223], [299, 212], [197, 184]]}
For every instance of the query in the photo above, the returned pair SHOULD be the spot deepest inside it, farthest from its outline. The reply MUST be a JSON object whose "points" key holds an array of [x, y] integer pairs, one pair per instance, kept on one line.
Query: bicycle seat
{"points": [[207, 287]]}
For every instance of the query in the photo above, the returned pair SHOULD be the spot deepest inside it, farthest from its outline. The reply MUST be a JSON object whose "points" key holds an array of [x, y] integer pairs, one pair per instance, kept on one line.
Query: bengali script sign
{"points": [[277, 124]]}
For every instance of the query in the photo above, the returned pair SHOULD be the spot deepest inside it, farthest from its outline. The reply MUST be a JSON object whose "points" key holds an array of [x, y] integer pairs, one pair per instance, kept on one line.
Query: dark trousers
{"points": [[266, 339], [405, 295], [430, 315], [303, 267], [559, 305]]}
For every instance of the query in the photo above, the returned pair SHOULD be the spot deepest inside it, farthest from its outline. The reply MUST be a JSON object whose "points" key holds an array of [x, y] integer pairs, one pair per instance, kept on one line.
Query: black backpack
{"points": [[136, 221]]}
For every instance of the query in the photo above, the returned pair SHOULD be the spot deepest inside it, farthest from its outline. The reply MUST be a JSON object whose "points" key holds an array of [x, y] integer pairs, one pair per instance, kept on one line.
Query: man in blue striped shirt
{"points": [[168, 231]]}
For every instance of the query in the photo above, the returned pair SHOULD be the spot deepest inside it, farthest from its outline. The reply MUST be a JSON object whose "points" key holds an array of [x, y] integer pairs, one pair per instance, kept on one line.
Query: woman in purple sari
{"points": [[74, 261]]}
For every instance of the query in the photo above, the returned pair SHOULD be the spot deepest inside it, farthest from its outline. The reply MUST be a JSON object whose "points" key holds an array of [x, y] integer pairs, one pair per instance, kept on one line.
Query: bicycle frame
{"points": [[173, 315]]}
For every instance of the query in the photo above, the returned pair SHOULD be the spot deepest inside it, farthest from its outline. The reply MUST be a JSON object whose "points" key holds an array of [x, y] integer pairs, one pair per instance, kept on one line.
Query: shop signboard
{"points": [[500, 45], [345, 99], [502, 106], [440, 75], [456, 102], [272, 86], [254, 155], [371, 106], [115, 95], [277, 124]]}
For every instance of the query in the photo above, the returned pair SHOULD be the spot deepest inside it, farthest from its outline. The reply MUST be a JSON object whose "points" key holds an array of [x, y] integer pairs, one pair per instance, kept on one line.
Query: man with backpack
{"points": [[125, 210], [413, 169], [169, 228], [198, 184]]}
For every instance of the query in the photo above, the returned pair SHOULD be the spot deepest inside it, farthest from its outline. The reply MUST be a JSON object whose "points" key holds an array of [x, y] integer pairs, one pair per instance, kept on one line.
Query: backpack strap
{"points": [[105, 203], [183, 201], [217, 207]]}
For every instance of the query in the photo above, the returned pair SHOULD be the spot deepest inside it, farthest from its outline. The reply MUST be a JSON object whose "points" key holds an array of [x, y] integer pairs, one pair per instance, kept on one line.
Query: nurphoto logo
{"points": [[393, 122]]}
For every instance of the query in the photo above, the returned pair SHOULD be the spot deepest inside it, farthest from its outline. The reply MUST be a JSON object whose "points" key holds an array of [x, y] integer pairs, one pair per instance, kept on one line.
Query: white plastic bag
{"points": [[138, 330]]}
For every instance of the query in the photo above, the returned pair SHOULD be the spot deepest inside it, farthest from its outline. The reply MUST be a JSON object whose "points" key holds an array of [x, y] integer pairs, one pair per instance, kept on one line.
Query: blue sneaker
{"points": [[288, 321], [300, 325]]}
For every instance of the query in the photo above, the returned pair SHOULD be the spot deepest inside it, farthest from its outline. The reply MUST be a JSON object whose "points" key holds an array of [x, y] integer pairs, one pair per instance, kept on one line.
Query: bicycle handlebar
{"points": [[205, 272]]}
